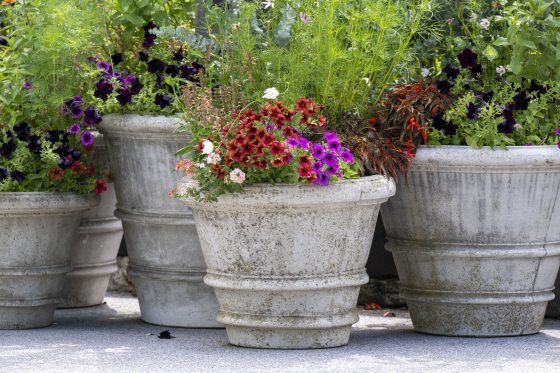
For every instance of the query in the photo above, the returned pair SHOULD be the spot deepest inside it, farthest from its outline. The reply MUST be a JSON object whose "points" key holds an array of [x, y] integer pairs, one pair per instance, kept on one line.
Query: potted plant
{"points": [[138, 90], [284, 217], [46, 178], [472, 228]]}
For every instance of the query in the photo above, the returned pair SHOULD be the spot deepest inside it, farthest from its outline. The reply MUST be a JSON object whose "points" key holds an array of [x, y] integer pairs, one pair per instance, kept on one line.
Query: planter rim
{"points": [[364, 190], [134, 123], [514, 158], [45, 202]]}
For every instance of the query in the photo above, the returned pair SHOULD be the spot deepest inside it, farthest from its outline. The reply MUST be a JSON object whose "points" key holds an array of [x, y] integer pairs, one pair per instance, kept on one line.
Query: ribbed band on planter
{"points": [[474, 234], [166, 262], [37, 234], [95, 248], [287, 261]]}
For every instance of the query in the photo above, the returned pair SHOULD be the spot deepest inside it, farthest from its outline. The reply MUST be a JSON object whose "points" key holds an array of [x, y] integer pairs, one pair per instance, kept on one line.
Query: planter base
{"points": [[86, 285], [30, 316], [288, 339], [175, 299], [477, 320]]}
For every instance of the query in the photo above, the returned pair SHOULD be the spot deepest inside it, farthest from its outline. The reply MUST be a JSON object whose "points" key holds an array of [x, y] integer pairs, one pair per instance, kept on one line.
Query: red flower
{"points": [[218, 171], [268, 139], [276, 148], [312, 178], [100, 186], [304, 160], [277, 163], [372, 121], [288, 132], [302, 104], [304, 171]]}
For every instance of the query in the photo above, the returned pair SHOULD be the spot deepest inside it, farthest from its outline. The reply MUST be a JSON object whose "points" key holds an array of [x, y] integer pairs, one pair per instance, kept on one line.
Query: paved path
{"points": [[111, 338]]}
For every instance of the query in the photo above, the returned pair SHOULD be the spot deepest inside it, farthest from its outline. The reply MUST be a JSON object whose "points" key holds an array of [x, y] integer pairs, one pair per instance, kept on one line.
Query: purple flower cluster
{"points": [[89, 117], [125, 85], [557, 133], [328, 155]]}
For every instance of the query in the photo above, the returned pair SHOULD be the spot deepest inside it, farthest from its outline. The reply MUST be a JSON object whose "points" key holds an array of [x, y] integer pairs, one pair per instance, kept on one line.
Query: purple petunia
{"points": [[124, 97], [557, 131], [346, 156], [143, 56], [27, 86], [472, 111], [330, 136], [91, 117], [303, 143], [74, 129], [323, 179], [162, 100], [317, 150], [105, 66], [558, 144], [332, 169], [156, 66], [317, 167], [293, 142], [103, 89], [334, 145], [87, 138], [330, 158]]}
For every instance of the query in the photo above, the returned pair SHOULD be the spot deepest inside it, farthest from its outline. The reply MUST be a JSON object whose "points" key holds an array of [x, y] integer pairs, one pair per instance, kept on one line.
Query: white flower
{"points": [[200, 165], [207, 147], [485, 23], [501, 70], [237, 176], [425, 72], [271, 94], [268, 4], [213, 158]]}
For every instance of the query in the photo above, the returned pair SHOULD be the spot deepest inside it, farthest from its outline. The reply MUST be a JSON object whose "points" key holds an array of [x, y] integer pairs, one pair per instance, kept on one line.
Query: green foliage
{"points": [[49, 41], [344, 55], [126, 18]]}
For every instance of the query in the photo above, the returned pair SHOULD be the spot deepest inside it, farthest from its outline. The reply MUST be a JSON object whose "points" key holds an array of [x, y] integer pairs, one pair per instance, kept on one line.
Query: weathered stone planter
{"points": [[287, 261], [37, 234], [166, 262], [476, 239], [95, 249]]}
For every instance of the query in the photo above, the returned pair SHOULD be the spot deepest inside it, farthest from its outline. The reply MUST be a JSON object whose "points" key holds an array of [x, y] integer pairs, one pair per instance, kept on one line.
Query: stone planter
{"points": [[287, 261], [166, 262], [37, 234], [476, 239], [95, 249]]}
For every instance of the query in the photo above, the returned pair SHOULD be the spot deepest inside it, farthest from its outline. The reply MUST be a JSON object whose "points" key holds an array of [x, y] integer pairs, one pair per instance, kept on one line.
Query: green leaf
{"points": [[491, 53], [501, 41]]}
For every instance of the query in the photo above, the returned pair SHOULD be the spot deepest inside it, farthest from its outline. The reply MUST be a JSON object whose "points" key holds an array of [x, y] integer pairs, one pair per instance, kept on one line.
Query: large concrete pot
{"points": [[37, 234], [95, 249], [287, 261], [166, 262], [476, 238]]}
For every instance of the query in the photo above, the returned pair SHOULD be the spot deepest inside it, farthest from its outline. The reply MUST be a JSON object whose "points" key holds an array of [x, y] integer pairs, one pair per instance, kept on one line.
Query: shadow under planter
{"points": [[166, 262]]}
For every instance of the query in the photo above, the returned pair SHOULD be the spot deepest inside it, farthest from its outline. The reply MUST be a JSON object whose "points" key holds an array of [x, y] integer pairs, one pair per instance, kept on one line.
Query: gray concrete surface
{"points": [[112, 338]]}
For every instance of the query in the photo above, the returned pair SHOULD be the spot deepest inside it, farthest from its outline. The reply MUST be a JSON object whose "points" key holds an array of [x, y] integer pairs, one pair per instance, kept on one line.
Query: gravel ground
{"points": [[112, 338]]}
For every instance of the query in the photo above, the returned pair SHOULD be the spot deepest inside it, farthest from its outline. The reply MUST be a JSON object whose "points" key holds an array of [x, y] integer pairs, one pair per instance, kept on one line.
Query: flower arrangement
{"points": [[501, 87], [45, 137], [275, 144]]}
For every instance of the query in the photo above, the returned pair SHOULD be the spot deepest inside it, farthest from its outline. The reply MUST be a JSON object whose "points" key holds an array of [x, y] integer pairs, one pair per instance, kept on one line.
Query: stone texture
{"points": [[95, 249], [475, 237], [166, 262], [37, 234], [287, 261]]}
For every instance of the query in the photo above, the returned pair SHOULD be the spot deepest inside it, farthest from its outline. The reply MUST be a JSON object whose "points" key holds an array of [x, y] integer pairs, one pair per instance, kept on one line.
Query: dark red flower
{"points": [[100, 186]]}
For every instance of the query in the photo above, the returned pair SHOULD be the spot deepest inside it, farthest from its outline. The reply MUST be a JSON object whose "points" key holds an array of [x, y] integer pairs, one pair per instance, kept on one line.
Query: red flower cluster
{"points": [[255, 145]]}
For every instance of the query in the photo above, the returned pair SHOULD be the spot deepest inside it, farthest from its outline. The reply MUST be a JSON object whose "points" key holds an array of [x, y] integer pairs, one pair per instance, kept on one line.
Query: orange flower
{"points": [[56, 174], [8, 2]]}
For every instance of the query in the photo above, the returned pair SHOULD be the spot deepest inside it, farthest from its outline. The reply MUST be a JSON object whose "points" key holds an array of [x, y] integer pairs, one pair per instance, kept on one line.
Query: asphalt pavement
{"points": [[112, 338]]}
